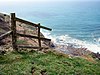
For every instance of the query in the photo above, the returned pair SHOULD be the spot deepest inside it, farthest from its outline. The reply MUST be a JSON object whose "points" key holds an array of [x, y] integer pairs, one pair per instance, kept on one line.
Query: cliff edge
{"points": [[5, 25]]}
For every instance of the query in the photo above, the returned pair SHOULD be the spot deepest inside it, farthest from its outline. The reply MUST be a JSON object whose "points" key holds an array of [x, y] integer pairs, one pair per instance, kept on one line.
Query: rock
{"points": [[4, 23], [52, 45], [0, 49], [2, 52], [96, 55], [1, 43], [43, 72], [32, 70]]}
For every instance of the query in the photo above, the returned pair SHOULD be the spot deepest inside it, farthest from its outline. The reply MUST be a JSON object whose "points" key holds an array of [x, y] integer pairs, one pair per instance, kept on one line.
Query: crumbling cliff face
{"points": [[5, 25]]}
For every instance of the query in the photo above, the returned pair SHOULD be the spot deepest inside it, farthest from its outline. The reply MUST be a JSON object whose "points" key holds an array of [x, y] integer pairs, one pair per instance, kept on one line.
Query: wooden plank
{"points": [[3, 36], [32, 24], [30, 36], [13, 28], [23, 46], [45, 39], [28, 47], [45, 28], [39, 40], [26, 22]]}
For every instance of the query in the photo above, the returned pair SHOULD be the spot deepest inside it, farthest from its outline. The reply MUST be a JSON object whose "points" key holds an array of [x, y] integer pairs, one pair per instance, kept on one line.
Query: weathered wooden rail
{"points": [[30, 23], [14, 33], [3, 36], [30, 36]]}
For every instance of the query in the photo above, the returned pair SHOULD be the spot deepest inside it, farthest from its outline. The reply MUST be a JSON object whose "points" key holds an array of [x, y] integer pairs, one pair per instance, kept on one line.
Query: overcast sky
{"points": [[44, 0], [17, 2]]}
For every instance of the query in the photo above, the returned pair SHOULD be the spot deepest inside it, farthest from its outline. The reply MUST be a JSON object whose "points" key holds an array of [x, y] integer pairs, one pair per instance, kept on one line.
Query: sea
{"points": [[72, 22]]}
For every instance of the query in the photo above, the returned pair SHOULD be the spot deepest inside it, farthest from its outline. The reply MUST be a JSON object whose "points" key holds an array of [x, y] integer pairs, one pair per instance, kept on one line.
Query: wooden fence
{"points": [[14, 33], [3, 36]]}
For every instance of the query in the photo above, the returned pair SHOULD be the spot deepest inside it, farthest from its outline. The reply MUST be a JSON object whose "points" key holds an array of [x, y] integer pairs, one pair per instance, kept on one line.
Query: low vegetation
{"points": [[21, 63], [21, 42]]}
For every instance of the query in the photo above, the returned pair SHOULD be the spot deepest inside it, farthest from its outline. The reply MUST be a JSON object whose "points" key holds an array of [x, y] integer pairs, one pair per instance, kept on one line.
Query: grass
{"points": [[55, 64], [21, 42]]}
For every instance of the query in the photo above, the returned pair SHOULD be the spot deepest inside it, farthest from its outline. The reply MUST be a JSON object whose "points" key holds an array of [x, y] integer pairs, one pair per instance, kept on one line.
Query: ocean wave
{"points": [[70, 41]]}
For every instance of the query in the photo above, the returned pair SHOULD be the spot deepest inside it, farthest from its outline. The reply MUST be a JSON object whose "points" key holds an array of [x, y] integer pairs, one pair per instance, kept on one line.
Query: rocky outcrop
{"points": [[96, 55], [72, 50], [4, 23]]}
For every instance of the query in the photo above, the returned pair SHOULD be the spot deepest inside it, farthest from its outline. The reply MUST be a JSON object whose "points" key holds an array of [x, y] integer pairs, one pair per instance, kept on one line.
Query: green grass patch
{"points": [[21, 42], [21, 63]]}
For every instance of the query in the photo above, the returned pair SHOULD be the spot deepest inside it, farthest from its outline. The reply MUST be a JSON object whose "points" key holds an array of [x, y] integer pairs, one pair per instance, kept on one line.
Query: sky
{"points": [[39, 1], [43, 0], [6, 5]]}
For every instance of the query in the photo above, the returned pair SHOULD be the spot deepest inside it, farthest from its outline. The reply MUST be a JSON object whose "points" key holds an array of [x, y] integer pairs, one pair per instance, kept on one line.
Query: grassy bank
{"points": [[21, 63]]}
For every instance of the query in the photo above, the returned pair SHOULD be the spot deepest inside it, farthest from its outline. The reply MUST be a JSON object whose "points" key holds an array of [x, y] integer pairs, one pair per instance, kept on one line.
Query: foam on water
{"points": [[67, 40]]}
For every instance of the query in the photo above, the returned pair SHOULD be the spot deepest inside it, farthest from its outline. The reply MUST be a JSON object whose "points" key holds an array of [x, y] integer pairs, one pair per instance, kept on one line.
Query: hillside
{"points": [[50, 63], [4, 23], [60, 60]]}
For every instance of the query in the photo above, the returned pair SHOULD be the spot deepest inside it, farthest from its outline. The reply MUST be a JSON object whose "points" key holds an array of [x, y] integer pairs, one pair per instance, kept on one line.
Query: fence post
{"points": [[39, 40], [13, 28]]}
